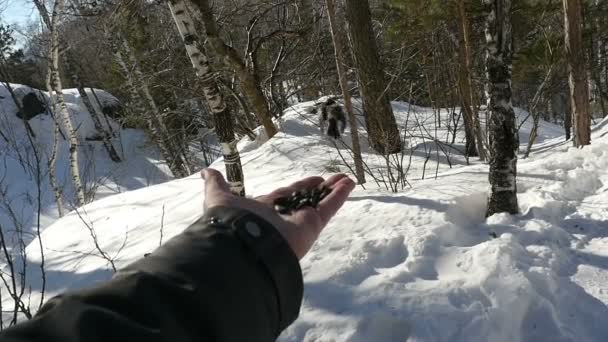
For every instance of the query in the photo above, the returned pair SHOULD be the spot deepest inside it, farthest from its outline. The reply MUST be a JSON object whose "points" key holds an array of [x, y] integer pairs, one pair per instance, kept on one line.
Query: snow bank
{"points": [[420, 265], [102, 177]]}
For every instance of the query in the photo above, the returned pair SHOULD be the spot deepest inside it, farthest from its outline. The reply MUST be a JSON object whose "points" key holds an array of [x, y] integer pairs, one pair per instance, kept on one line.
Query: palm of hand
{"points": [[300, 228]]}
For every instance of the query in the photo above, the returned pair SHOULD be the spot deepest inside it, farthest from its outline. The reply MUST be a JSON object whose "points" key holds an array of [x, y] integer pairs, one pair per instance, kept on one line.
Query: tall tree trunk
{"points": [[504, 141], [568, 119], [181, 165], [106, 138], [381, 124], [57, 192], [595, 53], [145, 104], [60, 102], [474, 136], [224, 126], [44, 13], [535, 113], [69, 64], [577, 78], [306, 12], [247, 79], [604, 67], [52, 172], [429, 59], [352, 120], [100, 105]]}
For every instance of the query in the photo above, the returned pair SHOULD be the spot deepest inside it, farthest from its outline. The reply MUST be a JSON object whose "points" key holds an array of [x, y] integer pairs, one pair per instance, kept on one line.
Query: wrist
{"points": [[270, 249]]}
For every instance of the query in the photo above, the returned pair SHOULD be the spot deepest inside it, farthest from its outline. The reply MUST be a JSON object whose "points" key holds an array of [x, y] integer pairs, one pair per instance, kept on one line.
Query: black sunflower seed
{"points": [[300, 199]]}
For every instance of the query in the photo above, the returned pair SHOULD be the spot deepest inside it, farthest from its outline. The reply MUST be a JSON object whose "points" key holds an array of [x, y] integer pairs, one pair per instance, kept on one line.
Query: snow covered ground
{"points": [[423, 264], [102, 177]]}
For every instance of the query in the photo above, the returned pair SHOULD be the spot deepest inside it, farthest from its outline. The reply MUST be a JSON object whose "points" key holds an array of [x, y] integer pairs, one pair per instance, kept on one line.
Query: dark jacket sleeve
{"points": [[229, 277]]}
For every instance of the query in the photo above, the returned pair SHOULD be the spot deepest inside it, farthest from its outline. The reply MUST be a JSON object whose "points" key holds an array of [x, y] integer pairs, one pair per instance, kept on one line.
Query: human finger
{"points": [[307, 183], [277, 193], [330, 205], [334, 179], [214, 182], [303, 184]]}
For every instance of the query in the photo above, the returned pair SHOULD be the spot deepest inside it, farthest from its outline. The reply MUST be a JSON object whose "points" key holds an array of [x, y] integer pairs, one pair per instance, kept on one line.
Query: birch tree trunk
{"points": [[68, 63], [57, 192], [475, 139], [352, 120], [60, 102], [52, 173], [577, 72], [504, 141], [180, 163], [247, 79], [145, 104], [221, 114], [106, 138], [381, 124]]}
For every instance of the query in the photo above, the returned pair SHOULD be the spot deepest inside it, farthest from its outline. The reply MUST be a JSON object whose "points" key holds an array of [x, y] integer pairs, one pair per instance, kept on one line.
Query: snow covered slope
{"points": [[419, 265], [18, 171]]}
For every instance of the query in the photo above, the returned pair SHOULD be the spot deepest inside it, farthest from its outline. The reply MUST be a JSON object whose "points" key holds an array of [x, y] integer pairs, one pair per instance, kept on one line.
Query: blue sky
{"points": [[18, 12]]}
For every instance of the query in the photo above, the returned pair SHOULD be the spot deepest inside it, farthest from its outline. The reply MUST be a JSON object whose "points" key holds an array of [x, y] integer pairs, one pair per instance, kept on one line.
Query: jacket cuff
{"points": [[271, 250]]}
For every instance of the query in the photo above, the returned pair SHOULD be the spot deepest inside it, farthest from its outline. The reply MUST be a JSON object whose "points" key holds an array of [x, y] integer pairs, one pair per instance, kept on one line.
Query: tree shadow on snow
{"points": [[417, 202]]}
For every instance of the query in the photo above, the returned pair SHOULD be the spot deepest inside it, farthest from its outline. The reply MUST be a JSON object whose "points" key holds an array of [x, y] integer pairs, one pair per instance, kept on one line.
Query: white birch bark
{"points": [[504, 141], [59, 100], [106, 138], [221, 114], [146, 106], [53, 156]]}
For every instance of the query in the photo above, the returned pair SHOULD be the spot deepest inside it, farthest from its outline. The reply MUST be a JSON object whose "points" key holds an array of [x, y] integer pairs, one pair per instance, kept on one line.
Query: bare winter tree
{"points": [[52, 159], [579, 88], [474, 137], [249, 84], [504, 141], [95, 114], [68, 62], [224, 126], [352, 120], [55, 82], [145, 105], [381, 123]]}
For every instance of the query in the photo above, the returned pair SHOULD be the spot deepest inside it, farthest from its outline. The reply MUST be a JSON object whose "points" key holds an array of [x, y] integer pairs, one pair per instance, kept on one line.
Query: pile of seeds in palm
{"points": [[300, 199]]}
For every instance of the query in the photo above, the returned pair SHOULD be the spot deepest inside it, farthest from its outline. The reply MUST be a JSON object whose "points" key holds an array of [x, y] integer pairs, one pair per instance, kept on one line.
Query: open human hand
{"points": [[300, 228]]}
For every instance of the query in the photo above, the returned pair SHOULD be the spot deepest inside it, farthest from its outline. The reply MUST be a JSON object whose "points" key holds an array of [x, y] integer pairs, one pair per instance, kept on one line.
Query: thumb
{"points": [[214, 182]]}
